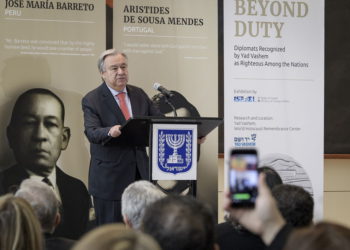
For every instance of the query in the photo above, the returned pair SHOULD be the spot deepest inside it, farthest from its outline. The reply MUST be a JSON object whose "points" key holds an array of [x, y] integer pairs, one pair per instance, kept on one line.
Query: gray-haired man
{"points": [[135, 199]]}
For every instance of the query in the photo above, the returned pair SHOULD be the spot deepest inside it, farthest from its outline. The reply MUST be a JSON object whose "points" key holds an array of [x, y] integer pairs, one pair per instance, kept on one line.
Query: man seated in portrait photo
{"points": [[37, 135]]}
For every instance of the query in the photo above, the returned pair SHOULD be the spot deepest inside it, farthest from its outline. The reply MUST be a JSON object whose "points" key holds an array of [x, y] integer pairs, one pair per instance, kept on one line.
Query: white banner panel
{"points": [[274, 86]]}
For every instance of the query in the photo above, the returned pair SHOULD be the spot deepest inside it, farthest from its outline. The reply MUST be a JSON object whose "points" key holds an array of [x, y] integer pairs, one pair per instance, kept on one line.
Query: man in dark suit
{"points": [[115, 163], [37, 135]]}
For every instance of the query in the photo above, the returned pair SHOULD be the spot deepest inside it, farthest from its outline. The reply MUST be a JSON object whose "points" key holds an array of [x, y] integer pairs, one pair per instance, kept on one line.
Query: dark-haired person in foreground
{"points": [[37, 135], [232, 235], [180, 223], [322, 236], [295, 204]]}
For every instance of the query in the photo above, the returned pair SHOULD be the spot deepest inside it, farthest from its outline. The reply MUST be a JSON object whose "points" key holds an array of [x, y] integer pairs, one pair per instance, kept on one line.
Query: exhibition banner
{"points": [[48, 62], [175, 43], [51, 44], [170, 42], [274, 87]]}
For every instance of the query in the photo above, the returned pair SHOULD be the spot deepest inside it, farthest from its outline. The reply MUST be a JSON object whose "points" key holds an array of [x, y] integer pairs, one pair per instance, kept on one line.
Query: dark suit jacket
{"points": [[230, 238], [74, 195], [57, 243], [113, 160]]}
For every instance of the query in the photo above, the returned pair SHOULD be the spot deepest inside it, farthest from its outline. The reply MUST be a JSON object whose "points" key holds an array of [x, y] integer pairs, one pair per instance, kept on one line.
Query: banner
{"points": [[274, 87], [54, 45], [175, 43]]}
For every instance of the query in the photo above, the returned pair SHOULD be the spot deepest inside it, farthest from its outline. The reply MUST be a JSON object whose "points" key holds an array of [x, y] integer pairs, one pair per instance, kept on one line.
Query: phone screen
{"points": [[243, 177]]}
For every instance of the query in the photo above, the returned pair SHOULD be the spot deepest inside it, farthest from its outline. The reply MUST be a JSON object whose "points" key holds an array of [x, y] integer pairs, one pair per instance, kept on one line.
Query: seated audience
{"points": [[231, 235], [322, 236], [135, 198], [116, 237], [295, 204], [180, 223], [46, 206], [19, 227]]}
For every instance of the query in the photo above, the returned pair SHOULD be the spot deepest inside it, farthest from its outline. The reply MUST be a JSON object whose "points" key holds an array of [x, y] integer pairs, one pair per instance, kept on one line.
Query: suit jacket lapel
{"points": [[63, 186], [134, 101], [111, 104]]}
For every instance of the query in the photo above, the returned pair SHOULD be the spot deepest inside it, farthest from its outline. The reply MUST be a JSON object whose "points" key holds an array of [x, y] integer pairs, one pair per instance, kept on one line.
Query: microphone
{"points": [[161, 89]]}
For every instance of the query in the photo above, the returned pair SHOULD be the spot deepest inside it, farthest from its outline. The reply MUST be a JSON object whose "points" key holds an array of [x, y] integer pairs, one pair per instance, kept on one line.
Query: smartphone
{"points": [[243, 177]]}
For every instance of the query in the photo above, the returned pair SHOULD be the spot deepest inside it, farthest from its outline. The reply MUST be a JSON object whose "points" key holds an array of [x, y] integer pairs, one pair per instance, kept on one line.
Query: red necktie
{"points": [[123, 106]]}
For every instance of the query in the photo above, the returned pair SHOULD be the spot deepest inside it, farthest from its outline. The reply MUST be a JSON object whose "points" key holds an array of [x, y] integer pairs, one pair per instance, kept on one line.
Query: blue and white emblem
{"points": [[174, 152]]}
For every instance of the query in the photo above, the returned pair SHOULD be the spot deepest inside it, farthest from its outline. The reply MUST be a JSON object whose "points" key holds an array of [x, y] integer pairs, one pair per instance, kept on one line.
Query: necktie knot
{"points": [[123, 106], [121, 95], [47, 181]]}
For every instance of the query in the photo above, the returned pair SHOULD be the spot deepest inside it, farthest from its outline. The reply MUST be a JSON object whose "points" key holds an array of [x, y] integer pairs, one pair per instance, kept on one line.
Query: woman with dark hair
{"points": [[19, 227]]}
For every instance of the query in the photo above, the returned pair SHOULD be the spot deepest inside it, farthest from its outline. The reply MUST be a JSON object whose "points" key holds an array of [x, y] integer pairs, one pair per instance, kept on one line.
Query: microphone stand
{"points": [[171, 105]]}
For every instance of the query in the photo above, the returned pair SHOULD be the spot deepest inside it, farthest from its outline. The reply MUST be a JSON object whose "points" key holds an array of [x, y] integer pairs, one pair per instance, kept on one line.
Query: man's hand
{"points": [[264, 219], [115, 131]]}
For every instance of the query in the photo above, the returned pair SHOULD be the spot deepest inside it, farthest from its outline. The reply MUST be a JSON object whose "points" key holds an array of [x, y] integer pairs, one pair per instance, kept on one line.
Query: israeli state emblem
{"points": [[175, 148]]}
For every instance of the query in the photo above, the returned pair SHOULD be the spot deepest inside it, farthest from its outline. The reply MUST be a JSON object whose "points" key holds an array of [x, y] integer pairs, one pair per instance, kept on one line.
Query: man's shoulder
{"points": [[131, 87], [134, 91], [97, 91], [67, 179]]}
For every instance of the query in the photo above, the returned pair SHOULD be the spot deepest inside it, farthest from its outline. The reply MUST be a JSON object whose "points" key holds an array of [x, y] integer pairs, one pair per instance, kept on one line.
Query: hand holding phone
{"points": [[243, 177]]}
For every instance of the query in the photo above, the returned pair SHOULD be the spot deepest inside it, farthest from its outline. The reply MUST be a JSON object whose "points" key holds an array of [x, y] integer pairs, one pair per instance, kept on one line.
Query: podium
{"points": [[141, 131]]}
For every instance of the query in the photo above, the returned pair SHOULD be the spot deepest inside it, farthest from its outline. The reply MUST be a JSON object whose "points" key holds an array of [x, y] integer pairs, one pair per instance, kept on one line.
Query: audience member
{"points": [[19, 227], [264, 219], [295, 204], [180, 223], [231, 235], [116, 237], [46, 206], [135, 198], [322, 236], [272, 178]]}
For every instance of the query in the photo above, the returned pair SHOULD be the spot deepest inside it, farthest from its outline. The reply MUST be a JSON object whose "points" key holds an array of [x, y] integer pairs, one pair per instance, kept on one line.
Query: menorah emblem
{"points": [[175, 141], [174, 149]]}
